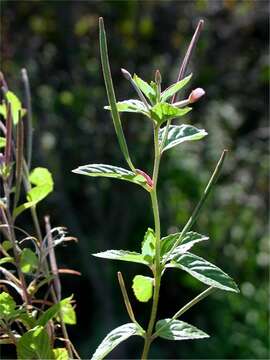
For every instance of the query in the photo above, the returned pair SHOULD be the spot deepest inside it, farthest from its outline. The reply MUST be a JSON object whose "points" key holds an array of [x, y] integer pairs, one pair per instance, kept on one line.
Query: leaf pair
{"points": [[169, 329]]}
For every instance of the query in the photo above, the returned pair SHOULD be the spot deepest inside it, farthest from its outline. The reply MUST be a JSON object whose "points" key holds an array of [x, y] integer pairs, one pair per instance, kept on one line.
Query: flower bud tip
{"points": [[195, 95]]}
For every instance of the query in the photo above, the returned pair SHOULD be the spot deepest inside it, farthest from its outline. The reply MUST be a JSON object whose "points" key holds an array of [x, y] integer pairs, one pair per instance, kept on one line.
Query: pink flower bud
{"points": [[195, 95]]}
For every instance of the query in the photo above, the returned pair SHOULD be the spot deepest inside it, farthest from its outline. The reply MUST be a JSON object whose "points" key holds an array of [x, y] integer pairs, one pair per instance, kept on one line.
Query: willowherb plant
{"points": [[33, 314], [158, 253]]}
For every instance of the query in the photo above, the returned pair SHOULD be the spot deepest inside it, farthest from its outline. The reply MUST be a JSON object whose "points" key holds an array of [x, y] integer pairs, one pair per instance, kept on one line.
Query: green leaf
{"points": [[60, 354], [16, 106], [7, 245], [66, 309], [163, 112], [34, 344], [114, 338], [204, 271], [190, 239], [147, 90], [178, 134], [28, 261], [174, 88], [143, 287], [7, 305], [40, 176], [179, 330], [149, 245], [110, 92], [68, 313], [3, 110], [134, 106], [6, 259], [111, 172], [2, 142], [122, 255], [43, 181]]}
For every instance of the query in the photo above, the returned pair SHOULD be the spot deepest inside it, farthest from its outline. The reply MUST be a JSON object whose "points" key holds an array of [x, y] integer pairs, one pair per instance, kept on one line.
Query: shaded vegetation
{"points": [[57, 43]]}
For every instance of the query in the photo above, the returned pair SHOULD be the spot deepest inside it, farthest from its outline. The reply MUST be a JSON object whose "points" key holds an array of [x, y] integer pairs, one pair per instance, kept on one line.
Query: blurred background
{"points": [[57, 41]]}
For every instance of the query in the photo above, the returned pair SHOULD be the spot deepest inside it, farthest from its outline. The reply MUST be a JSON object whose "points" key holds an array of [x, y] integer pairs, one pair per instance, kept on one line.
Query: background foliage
{"points": [[57, 41]]}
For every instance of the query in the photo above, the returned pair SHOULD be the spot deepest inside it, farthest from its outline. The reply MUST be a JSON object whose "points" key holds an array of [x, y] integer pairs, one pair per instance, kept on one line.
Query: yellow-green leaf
{"points": [[143, 287]]}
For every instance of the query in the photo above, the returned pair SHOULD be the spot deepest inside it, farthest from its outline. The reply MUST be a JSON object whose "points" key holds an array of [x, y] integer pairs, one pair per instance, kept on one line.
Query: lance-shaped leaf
{"points": [[114, 338], [178, 134], [111, 172], [204, 271], [135, 106], [190, 239], [143, 287], [110, 92], [178, 330], [174, 88], [149, 245], [163, 112], [122, 255], [35, 344], [147, 89]]}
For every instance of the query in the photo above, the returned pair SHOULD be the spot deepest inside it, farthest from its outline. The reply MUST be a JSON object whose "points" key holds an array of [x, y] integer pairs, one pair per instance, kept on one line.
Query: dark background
{"points": [[57, 41]]}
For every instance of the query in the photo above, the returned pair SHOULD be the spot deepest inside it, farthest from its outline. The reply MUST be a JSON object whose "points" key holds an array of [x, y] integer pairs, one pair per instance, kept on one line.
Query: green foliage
{"points": [[178, 330], [146, 89], [111, 172], [35, 344], [28, 261], [149, 245], [174, 248], [63, 308], [25, 271], [15, 107], [204, 271], [67, 312], [2, 142], [174, 88], [43, 181], [178, 134], [190, 239], [123, 255], [131, 105], [114, 338], [6, 259], [143, 287], [162, 112], [60, 354], [7, 305]]}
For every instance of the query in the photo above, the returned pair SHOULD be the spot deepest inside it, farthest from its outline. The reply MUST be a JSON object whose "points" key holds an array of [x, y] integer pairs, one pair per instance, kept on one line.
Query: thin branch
{"points": [[197, 209], [125, 296], [29, 123]]}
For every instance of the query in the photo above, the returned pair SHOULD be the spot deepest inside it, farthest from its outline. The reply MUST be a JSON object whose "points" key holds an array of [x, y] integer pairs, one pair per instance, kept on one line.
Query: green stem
{"points": [[157, 268]]}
